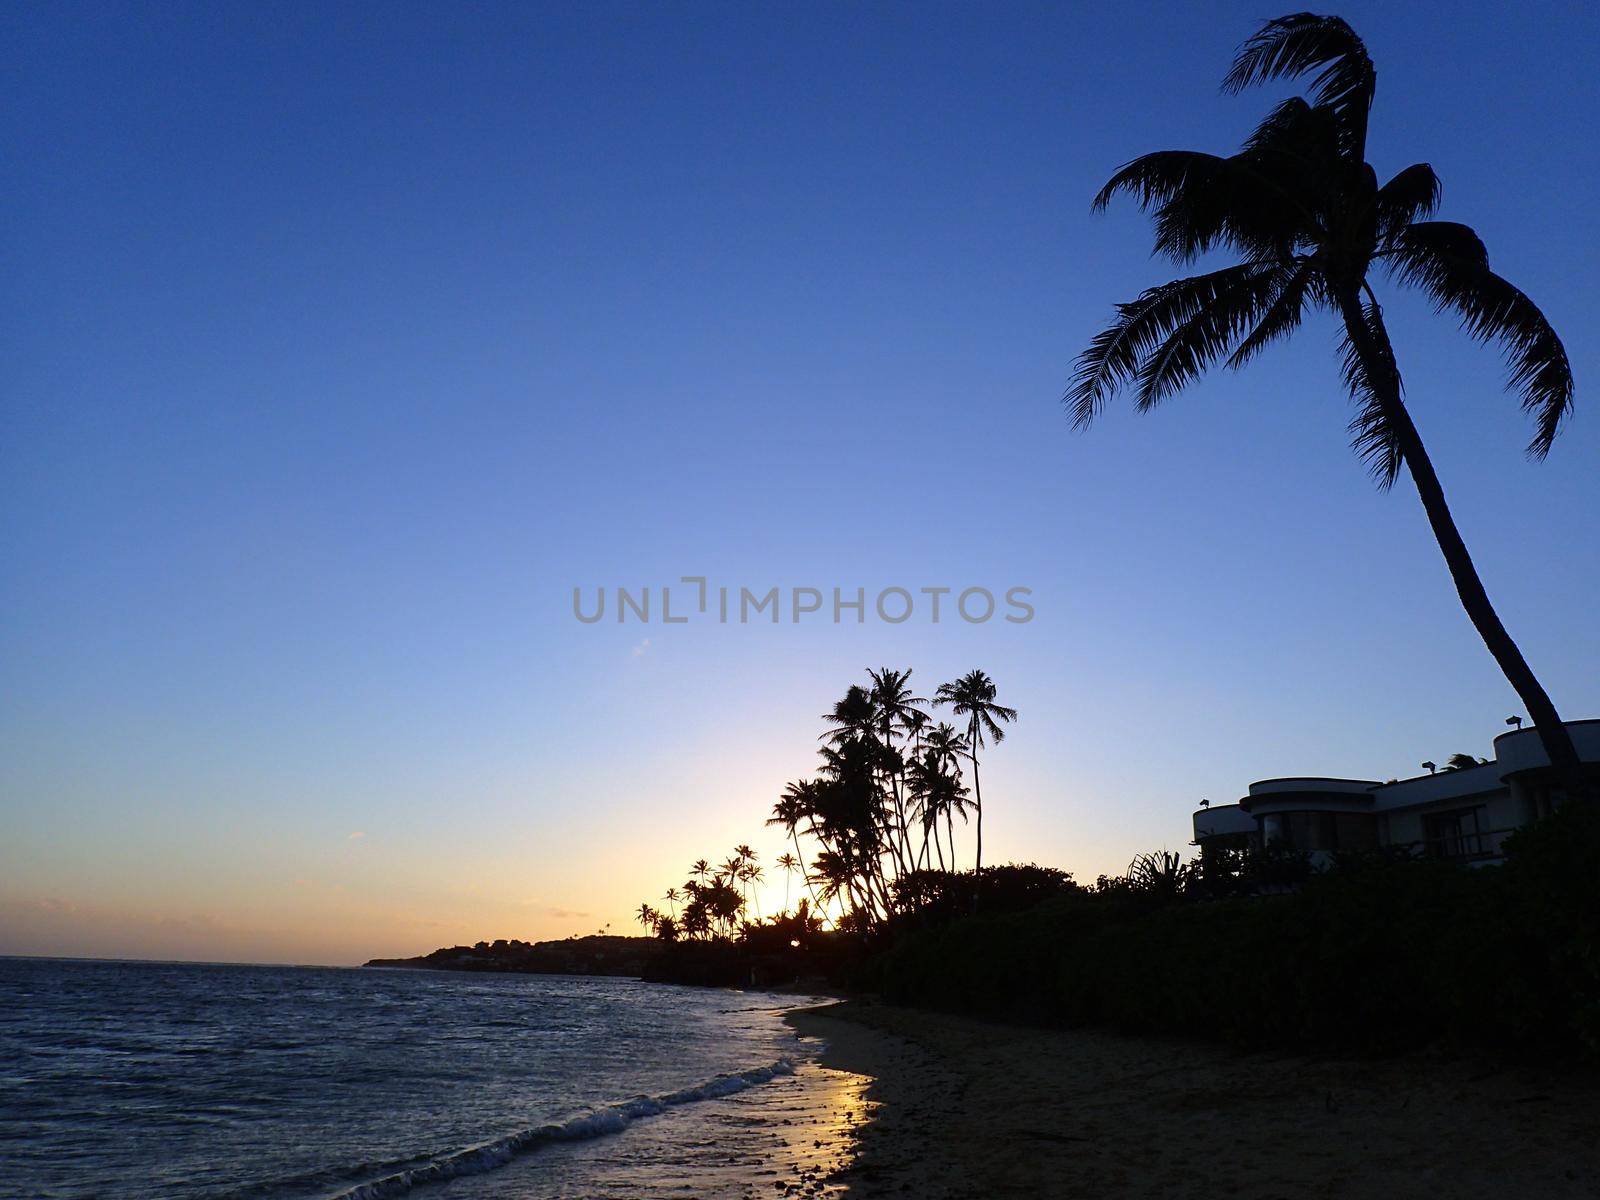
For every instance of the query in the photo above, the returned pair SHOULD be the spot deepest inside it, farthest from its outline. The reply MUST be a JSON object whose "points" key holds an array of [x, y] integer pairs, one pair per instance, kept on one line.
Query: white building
{"points": [[1462, 815]]}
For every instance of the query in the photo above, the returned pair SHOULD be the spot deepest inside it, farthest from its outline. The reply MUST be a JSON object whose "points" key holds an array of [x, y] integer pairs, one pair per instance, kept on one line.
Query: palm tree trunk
{"points": [[903, 854], [1370, 344], [977, 796], [805, 873], [977, 800]]}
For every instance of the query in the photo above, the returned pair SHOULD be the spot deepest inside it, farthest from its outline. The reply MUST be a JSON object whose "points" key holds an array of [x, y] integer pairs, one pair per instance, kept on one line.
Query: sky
{"points": [[340, 344]]}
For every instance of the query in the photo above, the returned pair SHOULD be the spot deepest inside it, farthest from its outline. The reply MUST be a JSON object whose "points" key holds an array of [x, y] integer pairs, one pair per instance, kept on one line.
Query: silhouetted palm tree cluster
{"points": [[881, 808], [714, 900], [892, 783]]}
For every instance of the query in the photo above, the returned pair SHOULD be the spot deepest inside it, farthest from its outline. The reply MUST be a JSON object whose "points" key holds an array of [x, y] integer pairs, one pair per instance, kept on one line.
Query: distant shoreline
{"points": [[597, 954], [963, 1108]]}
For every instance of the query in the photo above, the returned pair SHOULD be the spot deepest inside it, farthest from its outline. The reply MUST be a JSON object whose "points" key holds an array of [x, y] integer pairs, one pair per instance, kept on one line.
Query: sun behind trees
{"points": [[879, 817]]}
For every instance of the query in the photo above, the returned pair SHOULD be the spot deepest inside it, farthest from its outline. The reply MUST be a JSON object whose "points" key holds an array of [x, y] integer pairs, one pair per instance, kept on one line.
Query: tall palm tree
{"points": [[857, 736], [1304, 211], [672, 897], [939, 793], [897, 710], [948, 747], [790, 865], [973, 696], [920, 788], [750, 875], [798, 803], [854, 820]]}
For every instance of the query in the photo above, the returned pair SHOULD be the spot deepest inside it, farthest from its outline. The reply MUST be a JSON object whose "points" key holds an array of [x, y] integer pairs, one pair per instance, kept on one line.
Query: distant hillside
{"points": [[594, 955]]}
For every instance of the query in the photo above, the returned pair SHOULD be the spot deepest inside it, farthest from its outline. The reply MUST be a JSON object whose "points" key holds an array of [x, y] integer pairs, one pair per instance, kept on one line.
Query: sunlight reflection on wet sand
{"points": [[790, 1137]]}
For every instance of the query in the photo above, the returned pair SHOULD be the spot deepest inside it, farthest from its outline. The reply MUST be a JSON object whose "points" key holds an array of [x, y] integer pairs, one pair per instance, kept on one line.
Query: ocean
{"points": [[219, 1082]]}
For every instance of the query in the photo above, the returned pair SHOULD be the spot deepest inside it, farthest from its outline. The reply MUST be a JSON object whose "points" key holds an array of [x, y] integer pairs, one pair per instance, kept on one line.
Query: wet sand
{"points": [[792, 1136], [960, 1108]]}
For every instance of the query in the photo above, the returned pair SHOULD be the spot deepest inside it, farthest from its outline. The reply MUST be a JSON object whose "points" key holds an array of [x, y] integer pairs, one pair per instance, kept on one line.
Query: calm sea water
{"points": [[186, 1081]]}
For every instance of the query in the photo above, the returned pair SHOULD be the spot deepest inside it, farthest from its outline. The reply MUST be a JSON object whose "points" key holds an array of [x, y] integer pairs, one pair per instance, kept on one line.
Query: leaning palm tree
{"points": [[798, 803], [972, 696], [1303, 210]]}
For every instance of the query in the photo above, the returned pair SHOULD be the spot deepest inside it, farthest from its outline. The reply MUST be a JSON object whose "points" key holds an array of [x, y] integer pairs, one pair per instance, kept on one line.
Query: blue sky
{"points": [[342, 343]]}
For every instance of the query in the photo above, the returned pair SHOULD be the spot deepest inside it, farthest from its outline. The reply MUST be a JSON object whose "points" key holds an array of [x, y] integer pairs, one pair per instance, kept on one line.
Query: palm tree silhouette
{"points": [[1303, 209], [836, 876], [973, 696], [798, 803], [948, 747], [897, 710], [854, 716], [749, 875], [790, 865], [939, 794], [672, 897]]}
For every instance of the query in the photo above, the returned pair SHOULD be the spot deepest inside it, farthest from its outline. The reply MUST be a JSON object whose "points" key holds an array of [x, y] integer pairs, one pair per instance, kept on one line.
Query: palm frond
{"points": [[1296, 130], [1116, 353], [1155, 178], [1202, 201], [1290, 46], [1208, 333], [1280, 319], [1412, 195], [1448, 261], [1371, 435]]}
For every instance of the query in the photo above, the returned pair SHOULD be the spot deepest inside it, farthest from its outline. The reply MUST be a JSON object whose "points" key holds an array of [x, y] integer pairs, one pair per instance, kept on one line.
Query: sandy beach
{"points": [[962, 1108]]}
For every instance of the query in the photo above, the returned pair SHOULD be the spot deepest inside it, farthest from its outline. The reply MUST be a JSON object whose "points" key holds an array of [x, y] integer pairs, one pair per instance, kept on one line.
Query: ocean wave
{"points": [[486, 1156]]}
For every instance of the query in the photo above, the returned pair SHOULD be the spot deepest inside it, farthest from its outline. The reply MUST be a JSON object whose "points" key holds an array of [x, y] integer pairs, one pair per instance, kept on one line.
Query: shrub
{"points": [[1383, 956], [930, 895]]}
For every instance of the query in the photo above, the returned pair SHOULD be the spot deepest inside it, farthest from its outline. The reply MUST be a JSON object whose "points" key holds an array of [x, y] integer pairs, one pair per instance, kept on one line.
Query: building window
{"points": [[1313, 831], [1454, 834]]}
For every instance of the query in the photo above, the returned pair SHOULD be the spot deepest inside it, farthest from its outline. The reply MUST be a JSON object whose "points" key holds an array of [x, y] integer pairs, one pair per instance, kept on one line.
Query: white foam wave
{"points": [[486, 1156]]}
